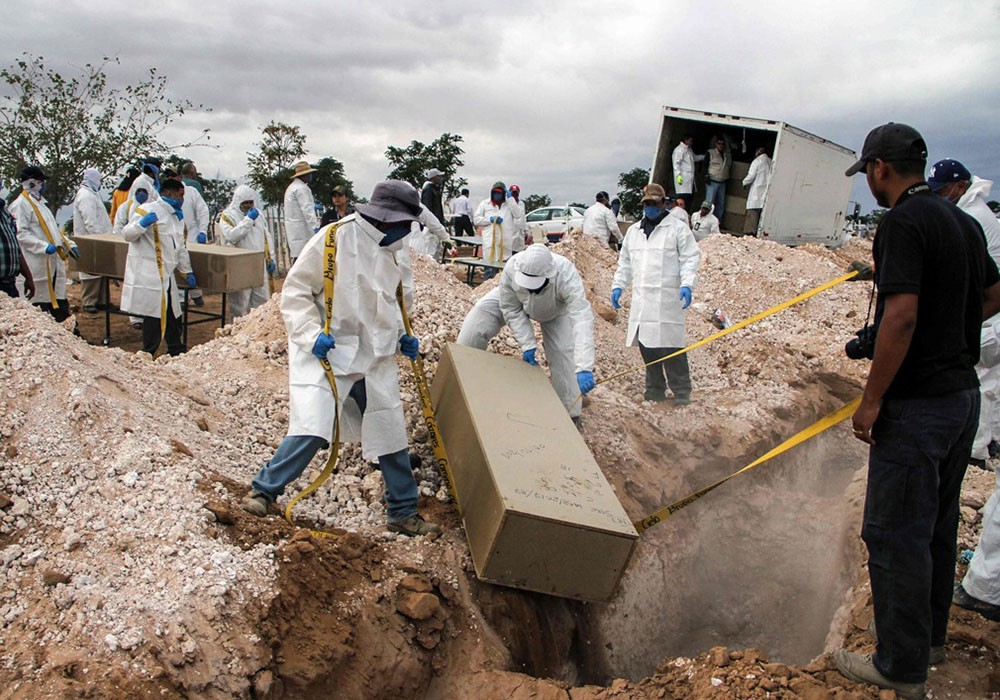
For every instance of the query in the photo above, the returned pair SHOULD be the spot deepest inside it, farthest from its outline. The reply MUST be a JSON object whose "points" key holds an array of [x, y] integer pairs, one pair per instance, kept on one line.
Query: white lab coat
{"points": [[498, 239], [196, 216], [683, 161], [238, 230], [33, 242], [366, 327], [143, 288], [520, 224], [704, 226], [599, 222], [300, 216], [89, 217], [758, 178], [973, 202], [427, 234], [567, 322], [656, 268]]}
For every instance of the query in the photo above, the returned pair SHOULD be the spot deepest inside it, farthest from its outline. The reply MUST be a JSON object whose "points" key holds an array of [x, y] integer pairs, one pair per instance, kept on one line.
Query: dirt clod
{"points": [[417, 606]]}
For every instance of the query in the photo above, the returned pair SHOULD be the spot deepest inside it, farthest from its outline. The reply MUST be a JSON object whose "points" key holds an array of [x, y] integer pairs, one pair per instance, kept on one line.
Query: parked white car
{"points": [[553, 222]]}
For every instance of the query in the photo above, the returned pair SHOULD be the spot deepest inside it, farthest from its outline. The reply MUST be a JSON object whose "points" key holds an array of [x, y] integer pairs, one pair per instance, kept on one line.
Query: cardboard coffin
{"points": [[539, 513], [217, 268]]}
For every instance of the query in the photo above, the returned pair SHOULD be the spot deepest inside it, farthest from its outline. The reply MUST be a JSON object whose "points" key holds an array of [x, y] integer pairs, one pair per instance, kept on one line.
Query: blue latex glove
{"points": [[149, 219], [253, 213], [50, 249], [529, 356], [685, 296], [272, 267], [496, 219], [324, 344], [585, 380], [75, 252], [616, 297], [409, 346], [191, 281], [316, 230], [202, 237]]}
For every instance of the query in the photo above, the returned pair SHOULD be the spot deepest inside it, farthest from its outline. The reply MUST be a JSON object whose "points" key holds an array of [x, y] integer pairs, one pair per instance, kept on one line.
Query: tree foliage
{"points": [[330, 174], [536, 201], [67, 123], [630, 186], [444, 153], [218, 194], [270, 167]]}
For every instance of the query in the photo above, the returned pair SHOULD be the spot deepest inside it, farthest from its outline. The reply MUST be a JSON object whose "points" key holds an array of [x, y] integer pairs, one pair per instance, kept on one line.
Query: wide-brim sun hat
{"points": [[302, 168], [392, 201]]}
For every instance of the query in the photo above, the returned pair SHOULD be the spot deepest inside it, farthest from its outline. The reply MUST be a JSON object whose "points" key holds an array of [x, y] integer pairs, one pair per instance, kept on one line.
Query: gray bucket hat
{"points": [[392, 201]]}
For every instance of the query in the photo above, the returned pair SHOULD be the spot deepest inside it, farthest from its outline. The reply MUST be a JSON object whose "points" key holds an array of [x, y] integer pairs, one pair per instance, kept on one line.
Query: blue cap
{"points": [[947, 171]]}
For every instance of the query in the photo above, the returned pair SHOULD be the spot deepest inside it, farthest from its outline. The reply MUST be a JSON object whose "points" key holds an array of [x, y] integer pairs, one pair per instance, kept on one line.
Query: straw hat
{"points": [[302, 168]]}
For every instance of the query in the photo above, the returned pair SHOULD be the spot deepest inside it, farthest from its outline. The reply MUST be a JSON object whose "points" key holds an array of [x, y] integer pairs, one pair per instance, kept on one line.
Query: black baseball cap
{"points": [[890, 142], [32, 172]]}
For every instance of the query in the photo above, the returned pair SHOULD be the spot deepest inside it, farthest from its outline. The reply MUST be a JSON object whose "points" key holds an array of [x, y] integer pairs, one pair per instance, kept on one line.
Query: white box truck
{"points": [[808, 194]]}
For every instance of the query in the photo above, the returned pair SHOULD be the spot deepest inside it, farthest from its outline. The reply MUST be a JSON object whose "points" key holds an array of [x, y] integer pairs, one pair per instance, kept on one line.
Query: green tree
{"points": [[630, 186], [270, 166], [444, 153], [536, 201], [330, 174], [67, 123], [218, 194], [875, 216]]}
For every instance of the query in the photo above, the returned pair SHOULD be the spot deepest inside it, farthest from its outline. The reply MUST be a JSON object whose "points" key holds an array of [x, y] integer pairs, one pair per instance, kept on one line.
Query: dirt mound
{"points": [[127, 568]]}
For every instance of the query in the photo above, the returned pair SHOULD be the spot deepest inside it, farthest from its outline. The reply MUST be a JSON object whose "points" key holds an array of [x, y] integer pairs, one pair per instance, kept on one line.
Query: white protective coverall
{"points": [[498, 239], [145, 283], [599, 222], [758, 178], [33, 241], [240, 231], [704, 226], [300, 216], [680, 213], [482, 322], [196, 216], [683, 160], [366, 326], [982, 581], [657, 267], [427, 235], [89, 217], [562, 310], [126, 211], [520, 224], [973, 202]]}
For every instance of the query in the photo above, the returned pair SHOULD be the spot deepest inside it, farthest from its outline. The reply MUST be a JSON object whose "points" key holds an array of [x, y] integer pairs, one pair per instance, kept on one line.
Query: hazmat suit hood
{"points": [[241, 194], [144, 182], [978, 188]]}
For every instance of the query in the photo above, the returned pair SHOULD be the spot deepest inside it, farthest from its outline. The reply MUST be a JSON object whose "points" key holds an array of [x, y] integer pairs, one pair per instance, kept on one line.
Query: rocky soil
{"points": [[127, 568]]}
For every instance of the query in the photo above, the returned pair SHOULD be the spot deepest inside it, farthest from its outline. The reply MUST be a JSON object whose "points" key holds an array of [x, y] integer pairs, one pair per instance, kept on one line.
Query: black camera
{"points": [[862, 347]]}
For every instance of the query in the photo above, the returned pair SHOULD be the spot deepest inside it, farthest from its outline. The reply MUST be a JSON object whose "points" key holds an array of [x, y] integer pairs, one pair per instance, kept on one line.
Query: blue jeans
{"points": [[296, 452], [915, 472], [715, 192]]}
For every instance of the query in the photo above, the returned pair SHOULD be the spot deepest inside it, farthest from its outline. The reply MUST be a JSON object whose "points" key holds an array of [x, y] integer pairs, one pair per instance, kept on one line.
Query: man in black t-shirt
{"points": [[920, 407]]}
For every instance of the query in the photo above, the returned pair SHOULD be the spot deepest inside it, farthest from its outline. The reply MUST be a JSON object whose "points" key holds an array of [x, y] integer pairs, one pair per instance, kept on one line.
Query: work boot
{"points": [[993, 449], [962, 599], [413, 526], [654, 396], [937, 653], [861, 669], [198, 301], [974, 462], [255, 503], [682, 399]]}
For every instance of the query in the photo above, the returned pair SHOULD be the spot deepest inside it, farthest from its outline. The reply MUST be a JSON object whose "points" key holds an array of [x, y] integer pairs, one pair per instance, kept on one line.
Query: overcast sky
{"points": [[558, 97]]}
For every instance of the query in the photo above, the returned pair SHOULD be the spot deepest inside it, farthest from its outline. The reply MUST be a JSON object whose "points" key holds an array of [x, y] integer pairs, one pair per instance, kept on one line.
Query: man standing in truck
{"points": [[720, 162]]}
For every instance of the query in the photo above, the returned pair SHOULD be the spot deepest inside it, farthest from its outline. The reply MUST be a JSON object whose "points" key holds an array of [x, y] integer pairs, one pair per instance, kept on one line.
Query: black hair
{"points": [[465, 191], [130, 175], [171, 185], [909, 168]]}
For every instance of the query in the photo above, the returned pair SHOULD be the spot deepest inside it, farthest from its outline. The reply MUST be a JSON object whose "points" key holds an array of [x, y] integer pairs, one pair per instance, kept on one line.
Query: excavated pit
{"points": [[764, 561]]}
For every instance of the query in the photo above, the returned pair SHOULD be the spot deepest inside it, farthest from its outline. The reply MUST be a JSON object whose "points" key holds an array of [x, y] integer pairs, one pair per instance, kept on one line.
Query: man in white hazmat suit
{"points": [[683, 160], [497, 218], [980, 589], [599, 221], [538, 285], [90, 217], [704, 222], [141, 190], [428, 234], [300, 209], [196, 220], [659, 260], [522, 237], [44, 247], [156, 249], [366, 331], [242, 226], [757, 179]]}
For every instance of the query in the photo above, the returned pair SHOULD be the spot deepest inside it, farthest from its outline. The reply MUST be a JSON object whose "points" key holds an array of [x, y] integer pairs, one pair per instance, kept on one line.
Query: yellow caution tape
{"points": [[329, 280], [440, 454], [48, 234], [735, 327], [800, 437]]}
